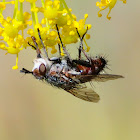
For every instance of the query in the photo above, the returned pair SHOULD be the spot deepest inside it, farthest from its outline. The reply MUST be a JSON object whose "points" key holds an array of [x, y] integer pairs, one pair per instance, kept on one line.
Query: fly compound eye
{"points": [[42, 69]]}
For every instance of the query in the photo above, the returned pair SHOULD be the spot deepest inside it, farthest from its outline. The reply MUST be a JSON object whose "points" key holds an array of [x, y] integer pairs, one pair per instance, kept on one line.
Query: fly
{"points": [[70, 74]]}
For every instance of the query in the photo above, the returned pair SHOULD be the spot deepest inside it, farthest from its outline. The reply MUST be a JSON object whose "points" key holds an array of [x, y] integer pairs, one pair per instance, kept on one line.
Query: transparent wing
{"points": [[106, 77], [98, 78], [84, 93]]}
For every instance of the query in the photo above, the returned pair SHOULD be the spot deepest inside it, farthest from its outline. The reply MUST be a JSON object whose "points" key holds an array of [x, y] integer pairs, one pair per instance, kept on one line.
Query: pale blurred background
{"points": [[33, 110]]}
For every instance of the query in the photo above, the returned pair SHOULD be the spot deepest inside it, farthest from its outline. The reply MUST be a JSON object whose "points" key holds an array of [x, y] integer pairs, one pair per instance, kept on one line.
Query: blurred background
{"points": [[33, 110]]}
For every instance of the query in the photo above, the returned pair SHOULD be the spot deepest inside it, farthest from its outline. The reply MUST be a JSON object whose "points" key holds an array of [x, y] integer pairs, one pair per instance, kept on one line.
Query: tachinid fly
{"points": [[70, 74]]}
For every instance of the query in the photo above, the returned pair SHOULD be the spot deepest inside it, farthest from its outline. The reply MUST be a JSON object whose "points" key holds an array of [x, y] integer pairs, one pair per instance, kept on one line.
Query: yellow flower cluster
{"points": [[10, 35], [55, 12], [104, 4]]}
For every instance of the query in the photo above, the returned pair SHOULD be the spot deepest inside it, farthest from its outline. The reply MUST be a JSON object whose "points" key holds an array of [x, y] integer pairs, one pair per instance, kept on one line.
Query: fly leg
{"points": [[45, 51], [38, 55], [32, 46], [81, 46], [37, 48], [63, 45], [26, 71], [59, 49], [81, 42]]}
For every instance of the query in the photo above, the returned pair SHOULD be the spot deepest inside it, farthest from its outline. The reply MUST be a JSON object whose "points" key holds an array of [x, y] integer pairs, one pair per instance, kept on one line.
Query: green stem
{"points": [[21, 10], [21, 15], [33, 16], [47, 23], [1, 10], [65, 5], [15, 9], [35, 13], [43, 4]]}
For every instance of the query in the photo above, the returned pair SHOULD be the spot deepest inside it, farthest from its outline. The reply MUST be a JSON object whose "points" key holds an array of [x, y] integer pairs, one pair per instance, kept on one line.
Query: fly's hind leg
{"points": [[81, 46]]}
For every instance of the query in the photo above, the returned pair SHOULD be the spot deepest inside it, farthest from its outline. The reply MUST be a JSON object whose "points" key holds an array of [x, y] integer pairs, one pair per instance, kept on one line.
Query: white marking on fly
{"points": [[38, 62]]}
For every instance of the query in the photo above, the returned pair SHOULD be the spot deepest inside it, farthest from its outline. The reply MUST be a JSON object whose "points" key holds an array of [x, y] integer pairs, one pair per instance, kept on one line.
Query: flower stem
{"points": [[33, 15], [47, 23], [21, 10], [43, 4], [15, 9], [65, 5], [1, 10]]}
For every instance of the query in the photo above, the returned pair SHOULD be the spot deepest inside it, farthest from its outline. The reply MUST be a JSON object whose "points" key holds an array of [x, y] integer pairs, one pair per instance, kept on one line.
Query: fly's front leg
{"points": [[26, 71]]}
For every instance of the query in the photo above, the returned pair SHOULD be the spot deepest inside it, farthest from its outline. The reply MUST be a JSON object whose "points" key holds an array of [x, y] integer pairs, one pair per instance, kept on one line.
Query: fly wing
{"points": [[84, 93], [98, 78], [106, 77]]}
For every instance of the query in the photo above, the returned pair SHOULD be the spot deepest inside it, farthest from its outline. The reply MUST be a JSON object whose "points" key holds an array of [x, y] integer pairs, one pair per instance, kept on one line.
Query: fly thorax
{"points": [[55, 69]]}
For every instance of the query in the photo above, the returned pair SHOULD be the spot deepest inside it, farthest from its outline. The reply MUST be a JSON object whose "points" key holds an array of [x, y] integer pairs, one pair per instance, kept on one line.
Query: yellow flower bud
{"points": [[87, 36], [1, 31], [71, 33], [2, 46], [11, 31], [2, 5], [88, 26], [30, 32], [31, 1], [104, 4], [86, 16], [21, 0], [53, 51], [51, 13], [76, 24], [15, 67], [12, 50]]}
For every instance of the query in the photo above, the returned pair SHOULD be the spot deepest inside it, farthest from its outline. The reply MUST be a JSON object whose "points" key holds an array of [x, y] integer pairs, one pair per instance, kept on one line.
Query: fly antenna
{"points": [[42, 43], [26, 71], [62, 44], [37, 48]]}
